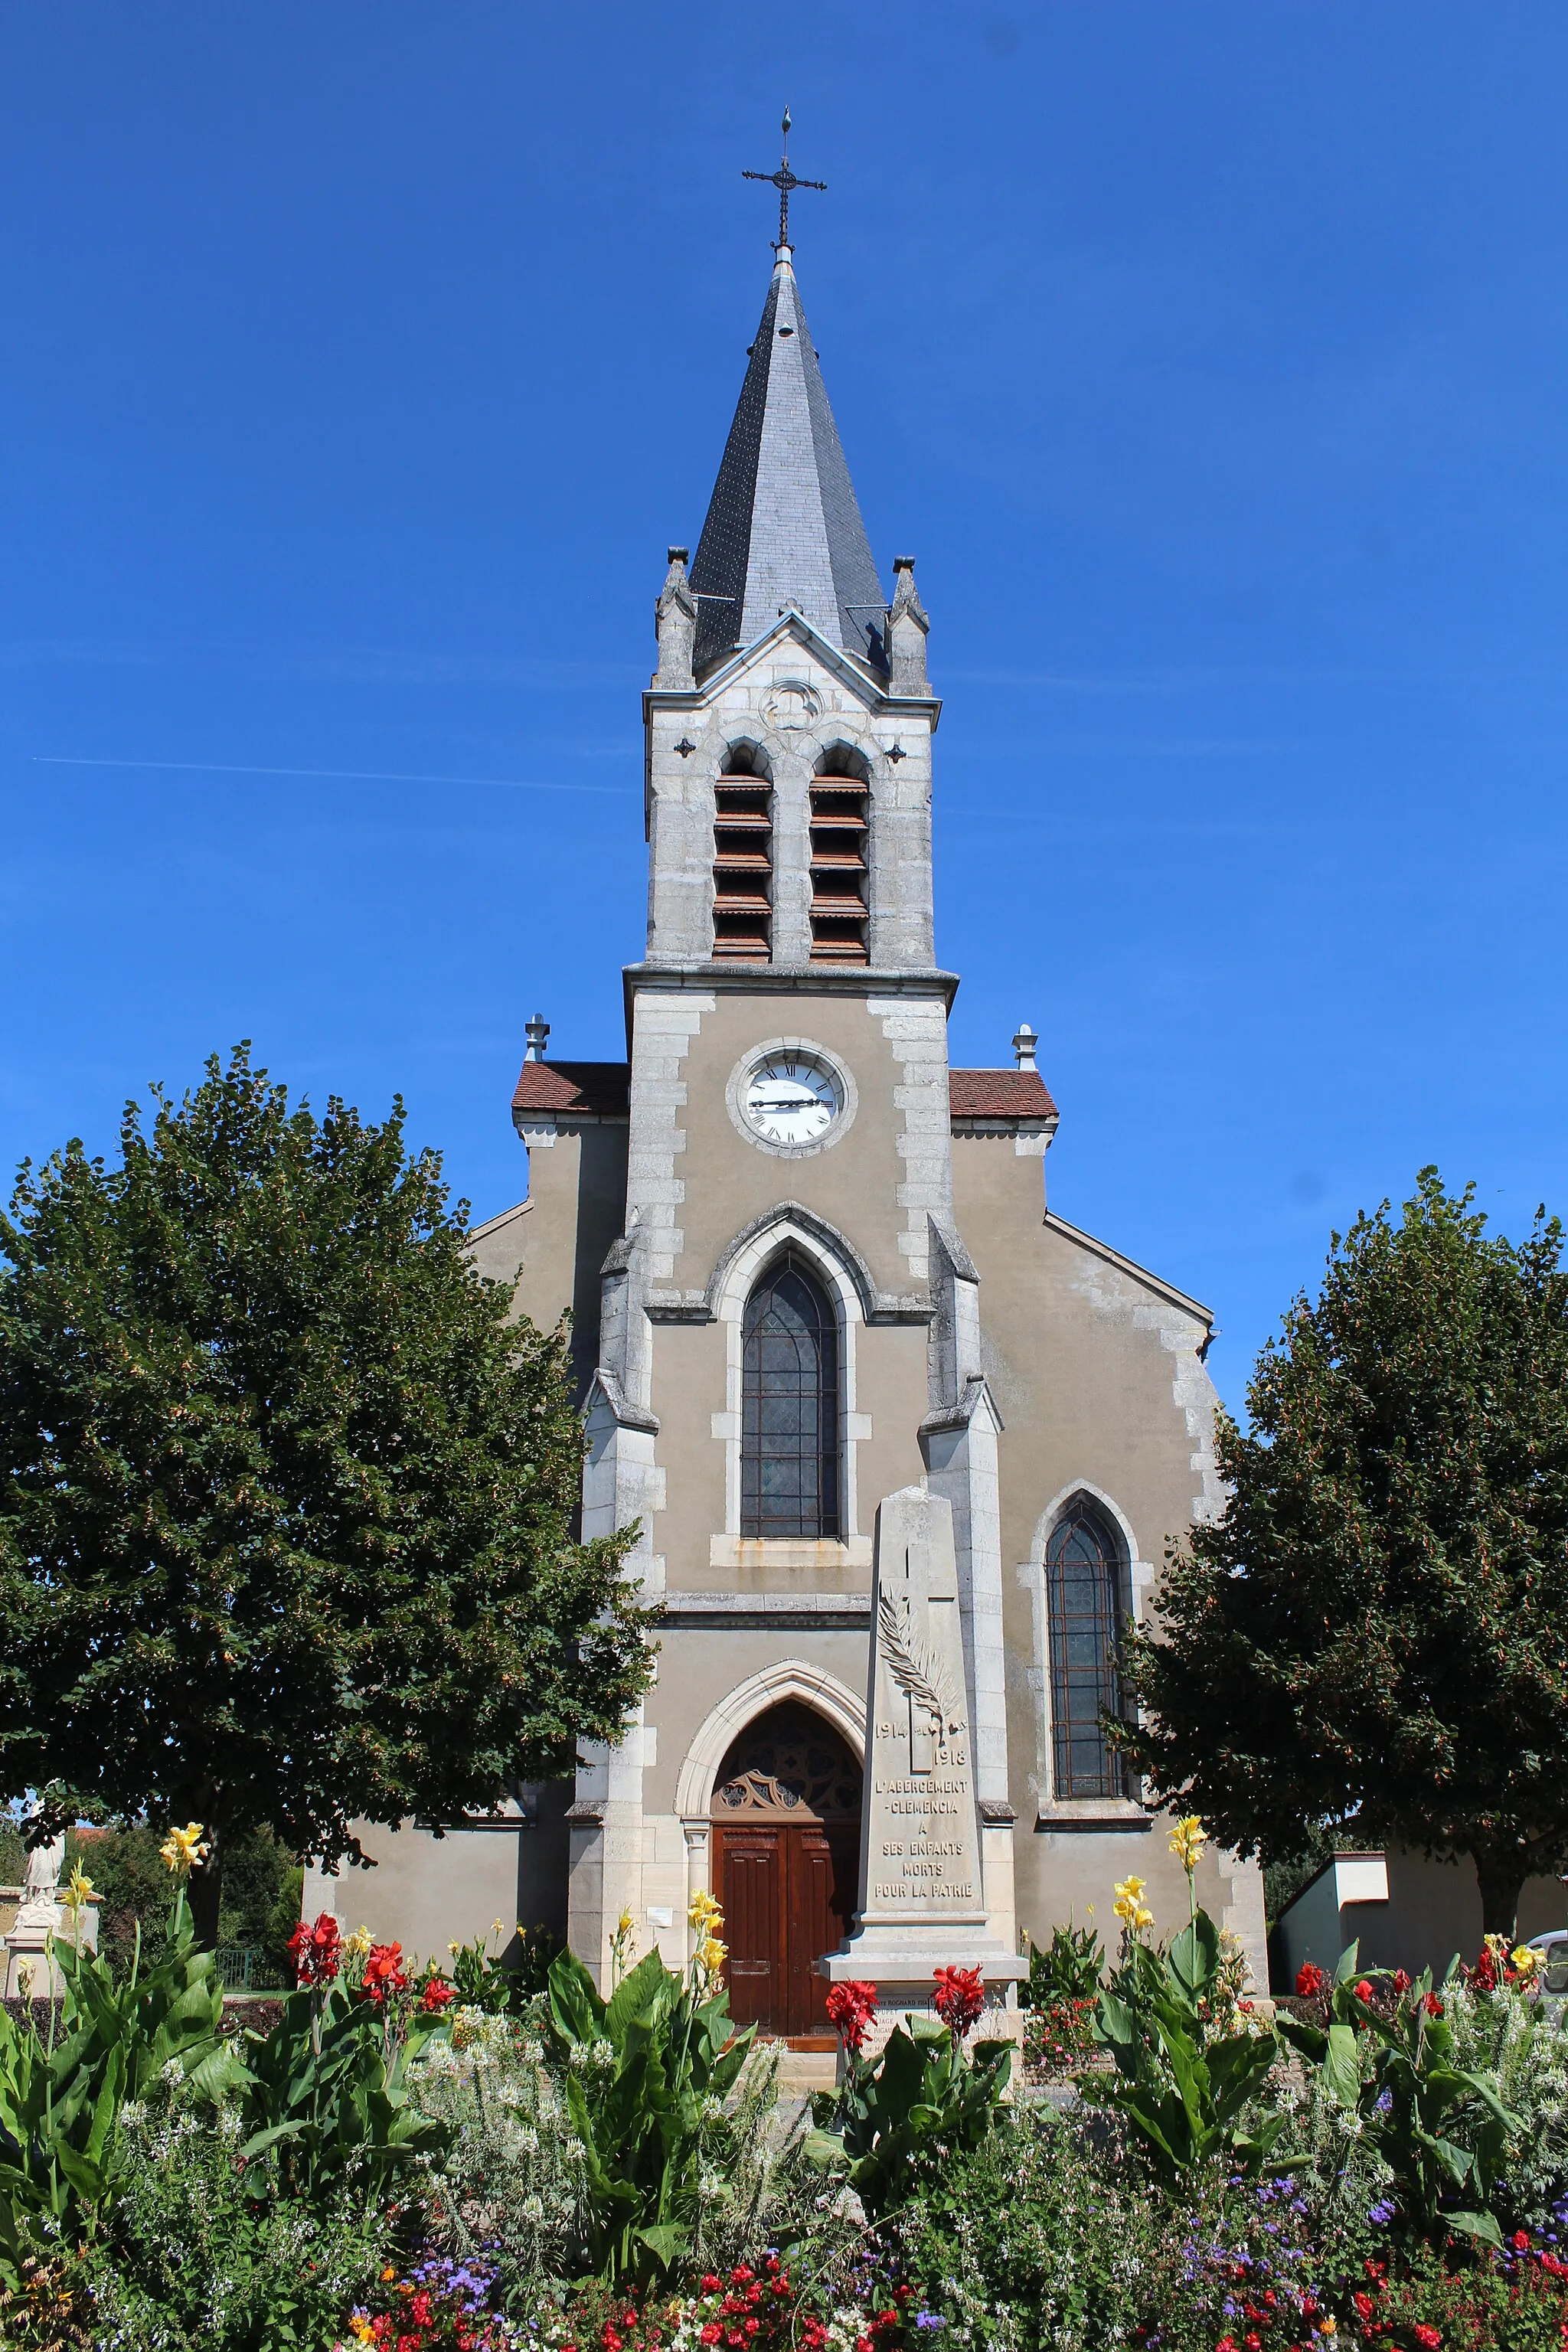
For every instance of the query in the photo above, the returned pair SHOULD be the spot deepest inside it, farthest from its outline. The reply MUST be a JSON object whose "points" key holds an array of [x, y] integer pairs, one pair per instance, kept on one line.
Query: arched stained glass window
{"points": [[789, 1406], [1087, 1609]]}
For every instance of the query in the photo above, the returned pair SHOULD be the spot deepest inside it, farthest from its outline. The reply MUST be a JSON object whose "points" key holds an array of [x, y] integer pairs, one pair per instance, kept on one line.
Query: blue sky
{"points": [[358, 363]]}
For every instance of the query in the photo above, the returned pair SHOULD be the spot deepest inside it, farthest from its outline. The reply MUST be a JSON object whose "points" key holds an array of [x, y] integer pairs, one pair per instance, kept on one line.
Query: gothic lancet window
{"points": [[789, 1406], [1086, 1610]]}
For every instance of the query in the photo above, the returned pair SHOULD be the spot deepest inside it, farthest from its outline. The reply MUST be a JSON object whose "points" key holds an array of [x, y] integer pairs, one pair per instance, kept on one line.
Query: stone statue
{"points": [[43, 1921], [40, 1890]]}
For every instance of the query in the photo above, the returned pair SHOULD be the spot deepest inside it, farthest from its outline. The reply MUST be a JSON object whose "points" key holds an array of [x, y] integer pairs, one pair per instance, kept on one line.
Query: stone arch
{"points": [[786, 1678], [748, 755], [1064, 1497], [787, 1223]]}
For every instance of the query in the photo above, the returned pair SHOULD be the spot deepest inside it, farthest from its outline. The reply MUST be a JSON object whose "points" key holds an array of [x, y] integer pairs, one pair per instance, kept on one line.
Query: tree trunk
{"points": [[1502, 1876], [204, 1890]]}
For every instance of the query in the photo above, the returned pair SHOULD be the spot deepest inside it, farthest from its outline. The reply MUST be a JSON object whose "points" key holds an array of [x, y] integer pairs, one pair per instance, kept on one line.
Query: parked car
{"points": [[1553, 1949]]}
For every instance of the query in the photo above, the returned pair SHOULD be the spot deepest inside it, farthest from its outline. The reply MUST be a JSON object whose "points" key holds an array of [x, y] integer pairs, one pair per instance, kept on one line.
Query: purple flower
{"points": [[1384, 2210]]}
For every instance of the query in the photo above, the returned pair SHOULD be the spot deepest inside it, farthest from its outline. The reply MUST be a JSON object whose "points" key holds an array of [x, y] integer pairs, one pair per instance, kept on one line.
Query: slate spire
{"points": [[783, 528]]}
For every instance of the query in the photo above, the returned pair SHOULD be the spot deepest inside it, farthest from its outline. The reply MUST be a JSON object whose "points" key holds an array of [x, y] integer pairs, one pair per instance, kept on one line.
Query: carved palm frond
{"points": [[916, 1673]]}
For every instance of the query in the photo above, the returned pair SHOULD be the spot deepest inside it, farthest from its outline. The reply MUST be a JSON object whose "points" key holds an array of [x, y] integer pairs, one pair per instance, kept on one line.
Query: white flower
{"points": [[533, 2209], [604, 2055]]}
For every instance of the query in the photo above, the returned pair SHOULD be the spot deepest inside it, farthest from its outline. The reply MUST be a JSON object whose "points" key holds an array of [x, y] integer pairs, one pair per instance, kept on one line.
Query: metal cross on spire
{"points": [[784, 180]]}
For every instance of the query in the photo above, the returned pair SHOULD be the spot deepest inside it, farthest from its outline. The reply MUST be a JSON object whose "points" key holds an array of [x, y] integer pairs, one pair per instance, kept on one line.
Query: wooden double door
{"points": [[788, 1890], [787, 1864]]}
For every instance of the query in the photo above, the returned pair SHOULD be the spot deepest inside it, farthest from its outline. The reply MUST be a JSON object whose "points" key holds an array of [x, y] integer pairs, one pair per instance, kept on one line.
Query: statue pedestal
{"points": [[27, 1940], [922, 1898]]}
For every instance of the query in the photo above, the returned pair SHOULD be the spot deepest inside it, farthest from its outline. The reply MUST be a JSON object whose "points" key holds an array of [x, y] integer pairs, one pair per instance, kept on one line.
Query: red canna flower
{"points": [[1427, 2337], [959, 1998], [317, 1952], [1364, 1991], [384, 1972], [851, 2008], [1309, 1981], [436, 1993], [1401, 1982], [1434, 2006]]}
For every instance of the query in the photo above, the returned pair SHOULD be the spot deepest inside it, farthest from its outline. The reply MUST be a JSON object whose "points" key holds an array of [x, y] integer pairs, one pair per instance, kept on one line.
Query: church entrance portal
{"points": [[787, 1864]]}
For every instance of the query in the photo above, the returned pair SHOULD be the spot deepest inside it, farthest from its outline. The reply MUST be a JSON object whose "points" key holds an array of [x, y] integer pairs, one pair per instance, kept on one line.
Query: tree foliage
{"points": [[285, 1498], [1378, 1625]]}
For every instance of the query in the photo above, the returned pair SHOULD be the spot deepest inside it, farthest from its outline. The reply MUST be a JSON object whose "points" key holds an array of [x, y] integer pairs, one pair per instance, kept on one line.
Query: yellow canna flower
{"points": [[711, 1954], [1188, 1840], [357, 1945], [1128, 1898], [1526, 1961], [184, 1851], [79, 1890], [453, 1949], [704, 1913], [1142, 1918], [624, 1924]]}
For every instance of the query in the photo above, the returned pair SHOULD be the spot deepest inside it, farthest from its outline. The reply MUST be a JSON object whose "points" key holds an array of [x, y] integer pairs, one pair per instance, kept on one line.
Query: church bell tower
{"points": [[788, 1328]]}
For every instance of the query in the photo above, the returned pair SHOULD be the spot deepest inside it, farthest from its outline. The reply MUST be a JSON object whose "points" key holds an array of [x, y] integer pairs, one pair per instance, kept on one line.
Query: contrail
{"points": [[342, 775]]}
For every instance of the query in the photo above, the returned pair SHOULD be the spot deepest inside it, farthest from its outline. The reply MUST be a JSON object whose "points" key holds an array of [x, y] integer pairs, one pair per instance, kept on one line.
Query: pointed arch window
{"points": [[789, 1406], [1086, 1586]]}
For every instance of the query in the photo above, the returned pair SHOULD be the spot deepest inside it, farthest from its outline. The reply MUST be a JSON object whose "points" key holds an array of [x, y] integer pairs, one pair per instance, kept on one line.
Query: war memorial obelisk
{"points": [[922, 1903]]}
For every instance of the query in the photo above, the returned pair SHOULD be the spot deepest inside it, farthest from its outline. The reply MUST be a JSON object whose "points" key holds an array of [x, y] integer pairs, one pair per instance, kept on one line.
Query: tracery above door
{"points": [[789, 1765]]}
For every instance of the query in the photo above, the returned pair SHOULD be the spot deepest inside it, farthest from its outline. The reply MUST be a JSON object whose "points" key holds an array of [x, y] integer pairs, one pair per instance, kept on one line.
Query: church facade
{"points": [[810, 1265]]}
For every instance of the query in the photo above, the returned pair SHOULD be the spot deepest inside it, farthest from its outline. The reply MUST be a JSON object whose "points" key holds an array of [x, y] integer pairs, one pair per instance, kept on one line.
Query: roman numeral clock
{"points": [[792, 1098]]}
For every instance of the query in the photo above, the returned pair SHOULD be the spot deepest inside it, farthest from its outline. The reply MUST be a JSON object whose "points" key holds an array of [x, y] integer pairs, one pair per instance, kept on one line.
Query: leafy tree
{"points": [[285, 1498], [260, 1892], [1378, 1624]]}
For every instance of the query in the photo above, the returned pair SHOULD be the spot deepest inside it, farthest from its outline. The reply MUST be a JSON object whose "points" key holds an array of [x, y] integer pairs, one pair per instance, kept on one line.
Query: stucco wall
{"points": [[553, 1242], [1096, 1369], [426, 1893]]}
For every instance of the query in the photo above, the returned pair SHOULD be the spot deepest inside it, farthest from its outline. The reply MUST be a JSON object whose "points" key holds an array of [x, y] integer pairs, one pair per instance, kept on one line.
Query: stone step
{"points": [[801, 2071]]}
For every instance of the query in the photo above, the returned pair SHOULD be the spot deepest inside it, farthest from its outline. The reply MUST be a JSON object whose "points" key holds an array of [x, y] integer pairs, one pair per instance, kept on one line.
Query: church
{"points": [[811, 1266]]}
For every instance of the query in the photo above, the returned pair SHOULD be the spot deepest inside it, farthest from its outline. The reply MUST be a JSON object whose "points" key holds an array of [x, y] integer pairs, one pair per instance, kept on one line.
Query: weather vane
{"points": [[784, 180]]}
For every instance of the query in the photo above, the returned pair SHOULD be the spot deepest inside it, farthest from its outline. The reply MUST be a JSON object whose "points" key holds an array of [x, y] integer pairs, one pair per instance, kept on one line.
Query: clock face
{"points": [[791, 1098]]}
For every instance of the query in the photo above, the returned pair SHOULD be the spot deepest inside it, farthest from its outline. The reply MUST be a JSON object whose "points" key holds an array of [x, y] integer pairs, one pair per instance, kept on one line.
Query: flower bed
{"points": [[434, 2161]]}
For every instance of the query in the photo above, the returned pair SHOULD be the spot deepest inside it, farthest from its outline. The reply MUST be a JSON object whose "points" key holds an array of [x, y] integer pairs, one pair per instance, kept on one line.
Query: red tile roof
{"points": [[999, 1094], [594, 1090], [599, 1090]]}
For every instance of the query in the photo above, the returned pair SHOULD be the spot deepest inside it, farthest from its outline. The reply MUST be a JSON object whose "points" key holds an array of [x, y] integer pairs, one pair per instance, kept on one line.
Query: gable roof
{"points": [[590, 1090], [999, 1094], [783, 526]]}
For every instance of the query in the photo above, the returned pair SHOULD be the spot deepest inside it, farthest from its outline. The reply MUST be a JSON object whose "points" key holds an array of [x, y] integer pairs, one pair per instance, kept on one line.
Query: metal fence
{"points": [[246, 1968]]}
